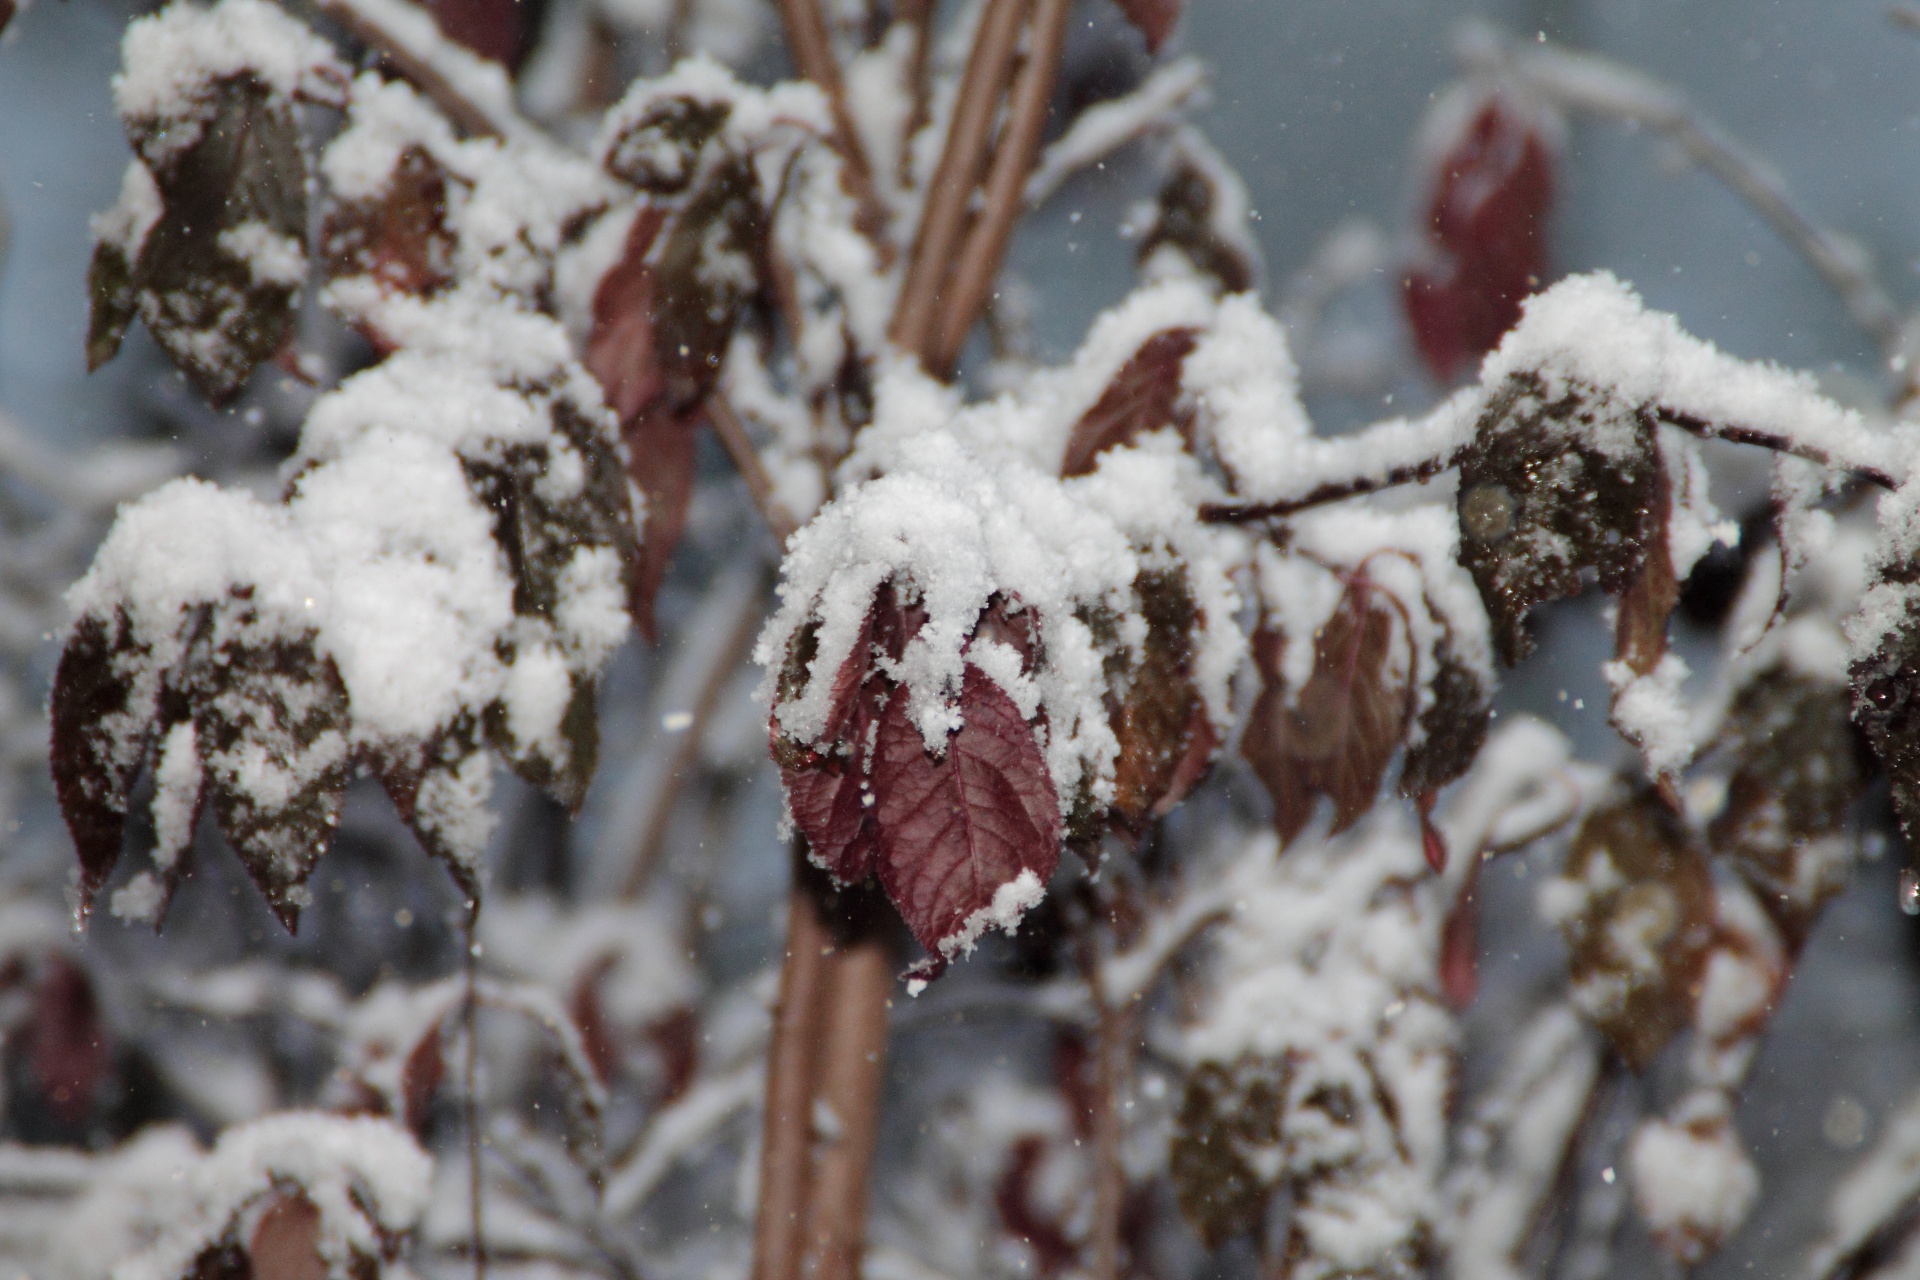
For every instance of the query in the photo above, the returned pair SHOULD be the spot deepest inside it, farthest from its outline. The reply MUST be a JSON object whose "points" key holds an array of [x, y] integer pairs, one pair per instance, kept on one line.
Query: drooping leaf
{"points": [[1143, 396], [1155, 19], [1157, 712], [661, 448], [1485, 234], [1337, 734], [829, 785], [1796, 775], [958, 828], [399, 237], [1228, 1129], [112, 302], [433, 787], [1636, 906], [660, 151], [620, 349], [707, 269], [420, 1079], [218, 275], [1548, 488], [564, 770], [286, 1241], [67, 1047], [1453, 727], [271, 723], [102, 720]]}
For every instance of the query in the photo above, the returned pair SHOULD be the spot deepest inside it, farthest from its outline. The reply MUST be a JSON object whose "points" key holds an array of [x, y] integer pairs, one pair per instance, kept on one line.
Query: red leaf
{"points": [[660, 455], [1349, 718], [676, 1041], [620, 349], [1154, 18], [67, 1047], [956, 828], [590, 1018], [1460, 945], [420, 1080], [286, 1241], [1143, 396], [1013, 1196], [1485, 238], [1432, 844], [494, 29], [400, 236]]}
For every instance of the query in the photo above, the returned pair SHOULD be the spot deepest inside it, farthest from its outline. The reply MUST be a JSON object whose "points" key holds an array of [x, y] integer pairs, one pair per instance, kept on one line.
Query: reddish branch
{"points": [[1110, 1069], [852, 1073], [475, 119], [1006, 184]]}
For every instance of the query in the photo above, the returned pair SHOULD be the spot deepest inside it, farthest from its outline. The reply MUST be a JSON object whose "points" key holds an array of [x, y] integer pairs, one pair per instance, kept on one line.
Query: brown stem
{"points": [[1334, 491], [1013, 161], [812, 48], [954, 178], [787, 1128], [852, 1073], [1736, 434], [919, 15], [470, 1086], [746, 459], [1109, 1177], [419, 70]]}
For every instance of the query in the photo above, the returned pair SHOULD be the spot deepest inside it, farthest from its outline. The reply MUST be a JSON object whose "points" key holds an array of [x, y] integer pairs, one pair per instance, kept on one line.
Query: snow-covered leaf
{"points": [[398, 236], [1166, 735], [1554, 484], [1143, 396], [1336, 734], [218, 274], [1484, 245], [286, 1241], [1200, 213], [969, 838], [112, 303], [1636, 905], [102, 720], [1453, 727], [658, 148]]}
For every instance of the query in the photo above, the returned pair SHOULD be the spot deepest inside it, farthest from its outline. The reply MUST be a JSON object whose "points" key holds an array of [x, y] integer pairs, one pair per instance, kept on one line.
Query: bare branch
{"points": [[746, 458], [852, 1075], [812, 49], [1019, 147], [968, 135]]}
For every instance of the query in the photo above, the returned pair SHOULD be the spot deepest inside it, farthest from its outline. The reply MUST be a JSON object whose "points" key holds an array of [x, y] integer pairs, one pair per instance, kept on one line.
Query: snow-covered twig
{"points": [[677, 1132], [1103, 129], [474, 92]]}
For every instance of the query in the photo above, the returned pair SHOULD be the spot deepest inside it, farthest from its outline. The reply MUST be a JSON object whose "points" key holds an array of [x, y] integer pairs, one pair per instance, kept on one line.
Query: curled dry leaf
{"points": [[1552, 485], [1797, 770], [1485, 238], [1143, 396], [1636, 905], [1335, 737]]}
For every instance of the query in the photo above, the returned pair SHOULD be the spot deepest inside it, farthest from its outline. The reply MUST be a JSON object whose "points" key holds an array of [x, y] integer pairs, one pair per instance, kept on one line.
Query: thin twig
{"points": [[1109, 1176], [1099, 131], [1013, 160], [954, 178], [470, 1078], [746, 459], [1737, 434], [1333, 491], [918, 14], [812, 49]]}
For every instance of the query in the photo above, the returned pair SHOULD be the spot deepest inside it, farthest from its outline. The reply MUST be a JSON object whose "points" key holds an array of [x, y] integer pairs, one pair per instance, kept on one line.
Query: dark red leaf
{"points": [[1191, 215], [1485, 238], [1143, 396], [660, 457], [620, 351], [676, 1041], [1154, 18], [1338, 734], [1433, 845], [286, 1241], [66, 1044], [1460, 945], [420, 1079], [955, 828], [590, 1018], [1013, 1197], [1166, 736], [99, 737], [500, 30], [400, 236], [660, 151]]}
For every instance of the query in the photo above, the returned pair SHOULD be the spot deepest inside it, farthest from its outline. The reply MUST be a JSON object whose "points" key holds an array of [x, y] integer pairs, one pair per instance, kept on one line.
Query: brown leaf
{"points": [[1640, 627], [1797, 771], [1452, 728], [955, 828], [1337, 736], [286, 1241], [420, 1079], [1185, 217], [1485, 237], [1641, 926], [1166, 736], [67, 1047], [101, 724], [1155, 19], [400, 236], [676, 1044], [1230, 1118], [1547, 491], [223, 1261], [113, 302], [660, 151], [1143, 396], [244, 177]]}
